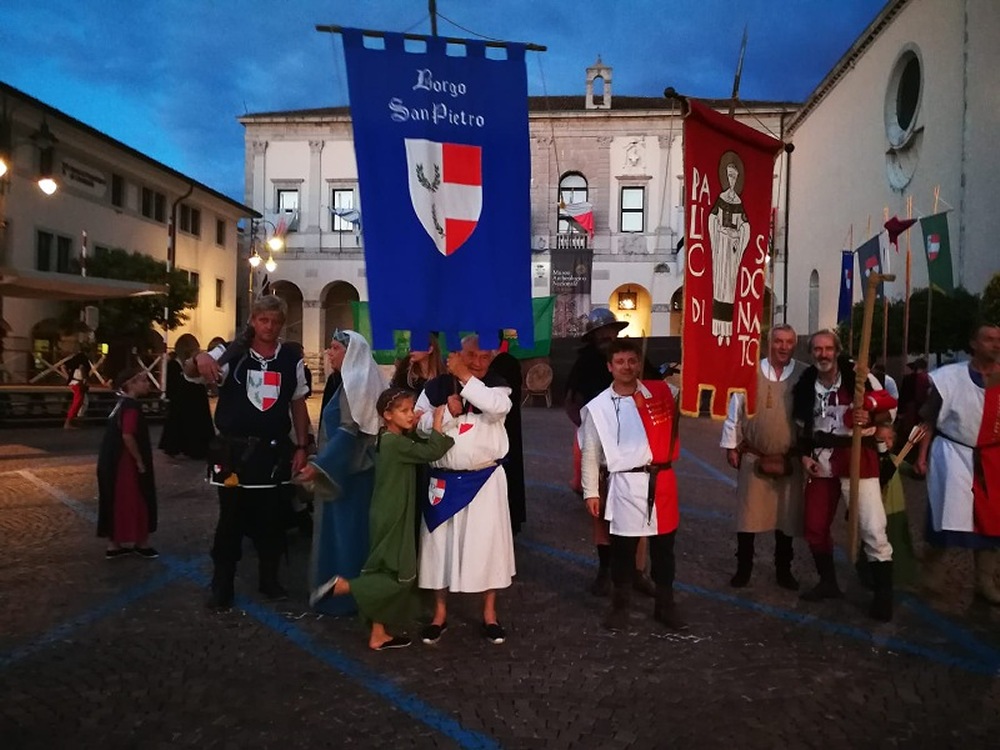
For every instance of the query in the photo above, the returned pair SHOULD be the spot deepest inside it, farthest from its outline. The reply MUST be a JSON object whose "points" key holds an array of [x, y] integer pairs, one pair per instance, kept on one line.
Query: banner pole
{"points": [[906, 299], [930, 289]]}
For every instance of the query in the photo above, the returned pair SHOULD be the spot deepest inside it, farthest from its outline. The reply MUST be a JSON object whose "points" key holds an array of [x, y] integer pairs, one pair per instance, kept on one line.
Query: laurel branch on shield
{"points": [[431, 187]]}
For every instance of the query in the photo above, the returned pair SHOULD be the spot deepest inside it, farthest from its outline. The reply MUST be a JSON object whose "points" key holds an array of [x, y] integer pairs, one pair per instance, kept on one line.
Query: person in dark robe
{"points": [[188, 427], [507, 367], [126, 506]]}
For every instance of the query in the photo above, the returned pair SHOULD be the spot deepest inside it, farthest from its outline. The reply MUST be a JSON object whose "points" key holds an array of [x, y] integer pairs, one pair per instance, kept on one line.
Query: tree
{"points": [[952, 318], [989, 306], [134, 319]]}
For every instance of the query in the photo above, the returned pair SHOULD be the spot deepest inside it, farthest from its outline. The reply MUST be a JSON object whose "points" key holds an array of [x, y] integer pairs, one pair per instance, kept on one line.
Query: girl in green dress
{"points": [[386, 588]]}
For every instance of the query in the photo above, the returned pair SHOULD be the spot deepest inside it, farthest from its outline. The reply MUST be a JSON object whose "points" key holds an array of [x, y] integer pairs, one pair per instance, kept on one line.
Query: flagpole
{"points": [[885, 301], [850, 337], [906, 299], [930, 288]]}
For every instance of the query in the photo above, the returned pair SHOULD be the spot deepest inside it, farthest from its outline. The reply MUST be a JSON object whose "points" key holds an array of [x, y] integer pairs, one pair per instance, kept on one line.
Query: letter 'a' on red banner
{"points": [[728, 180]]}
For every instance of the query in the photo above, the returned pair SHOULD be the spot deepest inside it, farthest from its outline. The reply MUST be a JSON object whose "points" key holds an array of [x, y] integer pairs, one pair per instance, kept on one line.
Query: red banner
{"points": [[728, 177]]}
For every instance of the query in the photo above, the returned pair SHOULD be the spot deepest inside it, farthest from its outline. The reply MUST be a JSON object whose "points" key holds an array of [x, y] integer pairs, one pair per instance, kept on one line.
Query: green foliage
{"points": [[952, 317], [134, 318], [989, 306]]}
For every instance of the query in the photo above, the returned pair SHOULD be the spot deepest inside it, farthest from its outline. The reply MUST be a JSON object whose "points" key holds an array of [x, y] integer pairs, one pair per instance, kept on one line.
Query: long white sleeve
{"points": [[592, 456], [732, 428]]}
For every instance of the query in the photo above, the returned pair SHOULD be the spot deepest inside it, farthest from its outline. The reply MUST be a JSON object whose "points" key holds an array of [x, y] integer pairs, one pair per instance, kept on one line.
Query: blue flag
{"points": [[444, 169], [846, 286], [870, 261]]}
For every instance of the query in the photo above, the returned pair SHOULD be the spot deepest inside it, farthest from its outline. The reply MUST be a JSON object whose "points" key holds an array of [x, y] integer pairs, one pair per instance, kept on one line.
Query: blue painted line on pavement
{"points": [[956, 632], [988, 666], [355, 671], [66, 629]]}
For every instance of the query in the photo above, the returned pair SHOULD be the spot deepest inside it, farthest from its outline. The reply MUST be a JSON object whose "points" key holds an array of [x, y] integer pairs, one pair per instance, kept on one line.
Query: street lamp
{"points": [[45, 142], [274, 244]]}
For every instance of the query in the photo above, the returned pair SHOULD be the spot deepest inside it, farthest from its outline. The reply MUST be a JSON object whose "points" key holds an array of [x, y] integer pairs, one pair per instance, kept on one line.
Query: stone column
{"points": [[312, 326], [258, 150], [313, 219]]}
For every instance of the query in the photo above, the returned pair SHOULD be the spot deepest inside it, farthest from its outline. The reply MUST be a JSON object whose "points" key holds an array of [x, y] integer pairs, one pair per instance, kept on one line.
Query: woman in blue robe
{"points": [[343, 470]]}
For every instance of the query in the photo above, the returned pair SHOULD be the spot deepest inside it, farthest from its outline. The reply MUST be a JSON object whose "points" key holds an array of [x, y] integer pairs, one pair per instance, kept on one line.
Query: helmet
{"points": [[600, 317]]}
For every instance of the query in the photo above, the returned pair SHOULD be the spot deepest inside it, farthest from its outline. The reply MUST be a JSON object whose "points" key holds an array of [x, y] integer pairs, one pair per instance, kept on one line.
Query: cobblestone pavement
{"points": [[122, 654]]}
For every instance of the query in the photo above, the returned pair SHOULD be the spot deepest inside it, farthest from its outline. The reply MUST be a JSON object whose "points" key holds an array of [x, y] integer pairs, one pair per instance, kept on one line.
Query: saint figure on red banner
{"points": [[729, 232]]}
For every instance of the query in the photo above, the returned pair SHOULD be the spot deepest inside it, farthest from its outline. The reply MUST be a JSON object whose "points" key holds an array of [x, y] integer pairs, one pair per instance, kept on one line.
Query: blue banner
{"points": [[441, 138], [846, 300]]}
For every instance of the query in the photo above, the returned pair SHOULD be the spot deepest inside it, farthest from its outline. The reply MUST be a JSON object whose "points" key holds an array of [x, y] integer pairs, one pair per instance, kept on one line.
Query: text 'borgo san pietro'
{"points": [[438, 112]]}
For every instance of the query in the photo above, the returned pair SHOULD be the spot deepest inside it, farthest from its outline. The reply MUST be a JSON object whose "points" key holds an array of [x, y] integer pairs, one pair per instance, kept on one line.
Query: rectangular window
{"points": [[633, 209], [218, 293], [64, 247], [153, 205], [190, 220], [341, 198], [220, 232], [117, 190], [100, 251], [288, 200], [43, 251], [194, 279]]}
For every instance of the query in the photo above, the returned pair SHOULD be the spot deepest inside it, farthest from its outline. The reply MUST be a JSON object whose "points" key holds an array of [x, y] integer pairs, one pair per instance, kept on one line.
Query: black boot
{"points": [[744, 560], [602, 583], [267, 582], [783, 556], [223, 590], [881, 608], [617, 618], [666, 611], [827, 587]]}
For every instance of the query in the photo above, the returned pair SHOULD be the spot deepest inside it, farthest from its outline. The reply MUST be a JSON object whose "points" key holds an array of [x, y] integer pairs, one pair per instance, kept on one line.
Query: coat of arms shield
{"points": [[446, 190]]}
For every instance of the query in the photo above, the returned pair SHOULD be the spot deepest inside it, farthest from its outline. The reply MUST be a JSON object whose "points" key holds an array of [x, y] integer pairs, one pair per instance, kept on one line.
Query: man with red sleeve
{"points": [[822, 408], [629, 446]]}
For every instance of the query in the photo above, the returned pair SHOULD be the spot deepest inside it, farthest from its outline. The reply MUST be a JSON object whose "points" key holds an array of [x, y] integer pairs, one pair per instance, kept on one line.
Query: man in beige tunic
{"points": [[769, 487]]}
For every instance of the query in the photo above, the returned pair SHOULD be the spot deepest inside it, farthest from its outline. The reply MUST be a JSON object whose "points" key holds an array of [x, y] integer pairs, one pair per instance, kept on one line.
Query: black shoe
{"points": [[147, 552], [432, 633], [273, 591], [786, 580], [114, 554], [822, 590], [602, 584], [493, 633], [220, 599], [742, 576]]}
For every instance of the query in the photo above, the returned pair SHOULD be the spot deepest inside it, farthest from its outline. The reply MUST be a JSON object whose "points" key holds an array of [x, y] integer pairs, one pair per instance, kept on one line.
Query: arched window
{"points": [[572, 189], [814, 301]]}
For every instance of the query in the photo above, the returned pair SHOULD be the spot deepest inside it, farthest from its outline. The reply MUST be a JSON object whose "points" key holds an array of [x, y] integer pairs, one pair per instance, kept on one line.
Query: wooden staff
{"points": [[906, 297], [860, 378]]}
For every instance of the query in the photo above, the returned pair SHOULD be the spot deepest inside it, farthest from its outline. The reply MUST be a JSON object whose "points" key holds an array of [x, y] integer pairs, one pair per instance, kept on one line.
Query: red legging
{"points": [[78, 394]]}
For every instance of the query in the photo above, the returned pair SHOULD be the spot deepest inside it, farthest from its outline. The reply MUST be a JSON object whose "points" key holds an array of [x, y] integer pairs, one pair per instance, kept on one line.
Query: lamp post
{"points": [[274, 244]]}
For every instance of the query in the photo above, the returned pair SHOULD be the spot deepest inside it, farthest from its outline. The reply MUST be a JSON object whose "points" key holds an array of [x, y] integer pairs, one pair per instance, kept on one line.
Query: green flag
{"points": [[938, 250], [541, 308], [363, 325]]}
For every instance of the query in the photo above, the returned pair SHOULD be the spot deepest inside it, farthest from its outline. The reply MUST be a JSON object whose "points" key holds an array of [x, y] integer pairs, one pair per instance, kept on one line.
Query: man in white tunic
{"points": [[466, 543], [629, 446], [769, 485], [963, 473]]}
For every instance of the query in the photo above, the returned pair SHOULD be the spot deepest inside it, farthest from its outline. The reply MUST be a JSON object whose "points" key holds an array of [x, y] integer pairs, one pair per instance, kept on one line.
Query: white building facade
{"points": [[624, 155], [120, 199], [912, 107]]}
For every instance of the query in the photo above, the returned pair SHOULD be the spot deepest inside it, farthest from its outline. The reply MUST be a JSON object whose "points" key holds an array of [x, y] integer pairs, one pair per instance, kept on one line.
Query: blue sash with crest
{"points": [[451, 491]]}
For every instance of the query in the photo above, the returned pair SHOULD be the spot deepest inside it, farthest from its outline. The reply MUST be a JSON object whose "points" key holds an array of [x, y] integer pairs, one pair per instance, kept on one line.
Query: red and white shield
{"points": [[933, 246], [263, 387], [436, 493], [446, 189]]}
